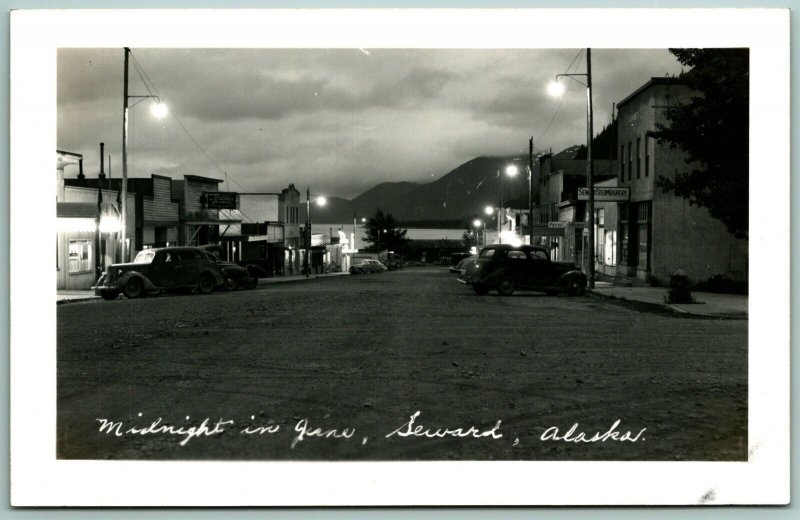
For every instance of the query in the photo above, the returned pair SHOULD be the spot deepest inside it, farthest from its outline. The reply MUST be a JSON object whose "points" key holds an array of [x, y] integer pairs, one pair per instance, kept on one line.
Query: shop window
{"points": [[643, 229], [80, 256], [599, 234], [643, 257], [610, 248]]}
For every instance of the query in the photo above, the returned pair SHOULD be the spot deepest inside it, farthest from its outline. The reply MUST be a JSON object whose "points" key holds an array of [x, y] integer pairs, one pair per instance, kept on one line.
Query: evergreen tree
{"points": [[712, 129], [384, 231]]}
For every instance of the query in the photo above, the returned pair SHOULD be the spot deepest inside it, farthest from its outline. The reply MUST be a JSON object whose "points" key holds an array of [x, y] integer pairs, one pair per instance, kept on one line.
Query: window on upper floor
{"points": [[638, 157], [630, 160], [647, 156], [622, 162]]}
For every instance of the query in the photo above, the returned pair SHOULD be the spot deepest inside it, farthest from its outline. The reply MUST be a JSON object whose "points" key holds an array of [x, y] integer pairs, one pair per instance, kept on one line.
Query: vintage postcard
{"points": [[400, 257]]}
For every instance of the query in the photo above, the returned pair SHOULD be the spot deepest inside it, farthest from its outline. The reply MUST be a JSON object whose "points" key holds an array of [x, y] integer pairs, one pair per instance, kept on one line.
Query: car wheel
{"points": [[109, 295], [206, 283], [506, 286], [481, 289], [134, 287], [251, 283], [230, 283], [577, 286]]}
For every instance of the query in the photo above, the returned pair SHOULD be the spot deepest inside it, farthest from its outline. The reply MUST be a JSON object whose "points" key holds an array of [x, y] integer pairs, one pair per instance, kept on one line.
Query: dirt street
{"points": [[335, 369]]}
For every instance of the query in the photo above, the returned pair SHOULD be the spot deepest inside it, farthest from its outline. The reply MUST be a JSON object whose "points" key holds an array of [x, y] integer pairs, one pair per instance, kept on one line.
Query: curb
{"points": [[667, 309], [78, 299]]}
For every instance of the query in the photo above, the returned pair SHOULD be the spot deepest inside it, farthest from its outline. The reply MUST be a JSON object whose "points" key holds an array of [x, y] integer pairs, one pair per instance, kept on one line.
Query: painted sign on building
{"points": [[220, 199], [615, 194]]}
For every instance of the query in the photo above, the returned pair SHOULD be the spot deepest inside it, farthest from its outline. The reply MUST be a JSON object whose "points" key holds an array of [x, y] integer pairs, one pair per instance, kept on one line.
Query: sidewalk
{"points": [[73, 296], [707, 304]]}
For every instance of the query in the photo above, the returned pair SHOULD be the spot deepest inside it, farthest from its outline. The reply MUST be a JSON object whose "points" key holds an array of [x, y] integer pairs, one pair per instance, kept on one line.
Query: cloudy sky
{"points": [[339, 121]]}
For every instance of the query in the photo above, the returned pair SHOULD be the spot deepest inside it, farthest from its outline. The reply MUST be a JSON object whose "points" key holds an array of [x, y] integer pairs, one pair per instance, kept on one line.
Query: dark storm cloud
{"points": [[341, 120]]}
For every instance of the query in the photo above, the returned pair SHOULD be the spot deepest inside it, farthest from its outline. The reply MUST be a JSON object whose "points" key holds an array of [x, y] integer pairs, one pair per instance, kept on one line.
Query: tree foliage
{"points": [[712, 129], [384, 232], [470, 237]]}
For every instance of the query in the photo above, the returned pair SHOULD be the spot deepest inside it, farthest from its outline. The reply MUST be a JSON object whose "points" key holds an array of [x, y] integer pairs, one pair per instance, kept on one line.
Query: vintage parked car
{"points": [[461, 268], [234, 275], [163, 269], [456, 259], [367, 266], [507, 268]]}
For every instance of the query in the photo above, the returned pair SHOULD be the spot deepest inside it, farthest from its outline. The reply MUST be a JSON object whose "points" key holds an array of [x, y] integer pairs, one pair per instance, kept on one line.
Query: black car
{"points": [[234, 275], [180, 269], [507, 268]]}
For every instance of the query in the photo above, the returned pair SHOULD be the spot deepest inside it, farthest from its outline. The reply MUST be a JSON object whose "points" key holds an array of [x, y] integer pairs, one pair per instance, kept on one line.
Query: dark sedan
{"points": [[507, 268]]}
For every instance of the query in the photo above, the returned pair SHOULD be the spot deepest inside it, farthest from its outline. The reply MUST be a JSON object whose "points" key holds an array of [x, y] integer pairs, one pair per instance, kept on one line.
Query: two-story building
{"points": [[660, 232], [205, 214]]}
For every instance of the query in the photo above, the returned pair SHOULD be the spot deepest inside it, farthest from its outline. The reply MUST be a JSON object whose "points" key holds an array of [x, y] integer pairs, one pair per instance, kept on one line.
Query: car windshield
{"points": [[144, 257], [487, 253]]}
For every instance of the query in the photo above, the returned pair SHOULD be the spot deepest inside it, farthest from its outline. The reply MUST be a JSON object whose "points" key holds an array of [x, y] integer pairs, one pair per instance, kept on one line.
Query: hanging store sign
{"points": [[220, 199], [547, 231], [621, 194]]}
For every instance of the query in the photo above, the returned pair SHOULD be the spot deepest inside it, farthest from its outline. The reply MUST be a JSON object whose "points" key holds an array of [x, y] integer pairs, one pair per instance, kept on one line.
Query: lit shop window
{"points": [[80, 256]]}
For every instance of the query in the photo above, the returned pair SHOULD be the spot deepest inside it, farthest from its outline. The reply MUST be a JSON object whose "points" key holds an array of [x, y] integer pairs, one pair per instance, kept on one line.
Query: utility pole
{"points": [[590, 165], [124, 190], [530, 191]]}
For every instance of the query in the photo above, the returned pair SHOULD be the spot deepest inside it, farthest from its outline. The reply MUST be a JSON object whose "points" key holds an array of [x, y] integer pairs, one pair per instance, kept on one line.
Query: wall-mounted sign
{"points": [[547, 231], [220, 199], [616, 194]]}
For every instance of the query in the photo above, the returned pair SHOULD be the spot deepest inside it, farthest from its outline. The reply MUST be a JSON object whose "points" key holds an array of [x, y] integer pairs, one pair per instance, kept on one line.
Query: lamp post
{"points": [[511, 171], [530, 191], [489, 211], [320, 200], [159, 110], [557, 89], [478, 224]]}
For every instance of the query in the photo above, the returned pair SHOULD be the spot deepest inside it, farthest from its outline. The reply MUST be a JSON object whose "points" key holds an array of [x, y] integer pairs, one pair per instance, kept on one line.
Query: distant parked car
{"points": [[367, 266], [157, 270], [461, 268], [456, 258], [506, 268], [233, 275]]}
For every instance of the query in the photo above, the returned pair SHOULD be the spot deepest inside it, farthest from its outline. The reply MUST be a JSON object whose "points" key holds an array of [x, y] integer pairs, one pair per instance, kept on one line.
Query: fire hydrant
{"points": [[679, 288]]}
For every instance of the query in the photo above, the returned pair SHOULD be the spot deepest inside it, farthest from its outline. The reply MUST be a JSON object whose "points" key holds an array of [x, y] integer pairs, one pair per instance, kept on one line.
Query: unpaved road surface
{"points": [[352, 358]]}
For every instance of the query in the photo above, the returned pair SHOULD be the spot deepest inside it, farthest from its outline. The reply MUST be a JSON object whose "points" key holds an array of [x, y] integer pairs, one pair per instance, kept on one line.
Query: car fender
{"points": [[148, 285], [216, 274], [565, 279], [495, 275]]}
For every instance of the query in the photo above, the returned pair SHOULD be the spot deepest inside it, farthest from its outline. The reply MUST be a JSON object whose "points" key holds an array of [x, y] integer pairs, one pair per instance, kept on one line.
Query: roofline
{"points": [[199, 178], [651, 82]]}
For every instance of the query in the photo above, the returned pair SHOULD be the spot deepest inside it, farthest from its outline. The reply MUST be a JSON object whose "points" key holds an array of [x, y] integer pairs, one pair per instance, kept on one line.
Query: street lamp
{"points": [[159, 110], [557, 89], [319, 200], [511, 171], [478, 224]]}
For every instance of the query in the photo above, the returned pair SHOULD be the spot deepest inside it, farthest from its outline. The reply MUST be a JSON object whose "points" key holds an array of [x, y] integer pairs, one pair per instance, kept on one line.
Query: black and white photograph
{"points": [[444, 255]]}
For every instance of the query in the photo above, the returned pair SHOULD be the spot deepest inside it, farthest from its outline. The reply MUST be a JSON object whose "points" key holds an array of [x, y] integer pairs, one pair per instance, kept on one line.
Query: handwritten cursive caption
{"points": [[305, 430]]}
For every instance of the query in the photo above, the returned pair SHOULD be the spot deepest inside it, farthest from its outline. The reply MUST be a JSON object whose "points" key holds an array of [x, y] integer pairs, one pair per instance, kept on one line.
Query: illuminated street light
{"points": [[555, 88], [478, 224], [319, 200], [489, 210], [159, 110], [511, 171]]}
